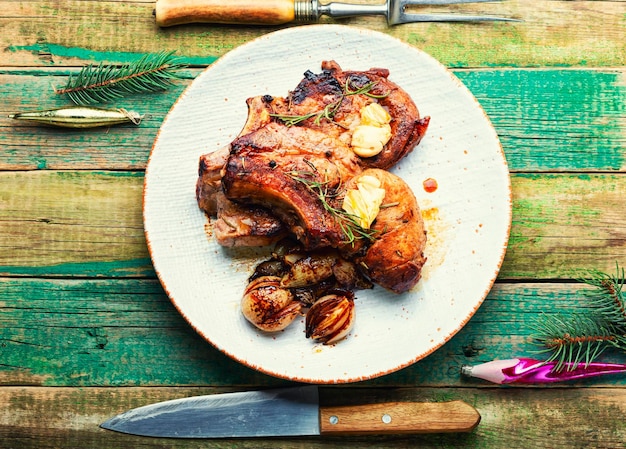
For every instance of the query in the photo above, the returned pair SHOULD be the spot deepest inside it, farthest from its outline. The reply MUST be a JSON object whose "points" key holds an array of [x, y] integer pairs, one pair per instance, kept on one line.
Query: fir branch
{"points": [[584, 336], [607, 297], [578, 339], [104, 83]]}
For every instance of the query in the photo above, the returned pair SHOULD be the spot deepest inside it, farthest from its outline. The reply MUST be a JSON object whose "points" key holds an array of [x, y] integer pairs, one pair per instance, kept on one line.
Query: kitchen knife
{"points": [[288, 412]]}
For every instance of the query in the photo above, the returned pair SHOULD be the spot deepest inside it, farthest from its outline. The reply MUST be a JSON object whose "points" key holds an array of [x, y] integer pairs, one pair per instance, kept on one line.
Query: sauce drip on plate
{"points": [[430, 185]]}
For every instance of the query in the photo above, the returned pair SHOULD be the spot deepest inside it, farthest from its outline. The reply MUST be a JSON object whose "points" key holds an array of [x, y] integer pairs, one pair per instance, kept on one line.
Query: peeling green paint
{"points": [[572, 118], [119, 268], [60, 51]]}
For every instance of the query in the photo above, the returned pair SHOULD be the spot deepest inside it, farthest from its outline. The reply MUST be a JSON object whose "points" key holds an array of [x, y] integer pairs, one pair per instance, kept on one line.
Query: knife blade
{"points": [[288, 412]]}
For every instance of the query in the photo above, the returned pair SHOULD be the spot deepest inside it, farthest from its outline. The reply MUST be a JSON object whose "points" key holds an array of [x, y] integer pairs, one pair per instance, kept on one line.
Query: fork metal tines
{"points": [[394, 10]]}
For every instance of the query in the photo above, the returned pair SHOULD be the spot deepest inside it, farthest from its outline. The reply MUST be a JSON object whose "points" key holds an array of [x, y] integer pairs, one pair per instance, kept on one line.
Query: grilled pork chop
{"points": [[334, 91], [209, 182], [288, 169], [245, 225], [330, 91], [328, 102], [236, 224]]}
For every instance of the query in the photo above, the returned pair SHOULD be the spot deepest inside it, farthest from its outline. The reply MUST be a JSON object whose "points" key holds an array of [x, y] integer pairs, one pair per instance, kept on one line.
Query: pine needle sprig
{"points": [[579, 339], [607, 297], [582, 337], [104, 83]]}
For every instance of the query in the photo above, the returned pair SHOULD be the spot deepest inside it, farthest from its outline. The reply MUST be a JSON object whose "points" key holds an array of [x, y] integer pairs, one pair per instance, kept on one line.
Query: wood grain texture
{"points": [[567, 228], [85, 223], [86, 330], [75, 219], [42, 418], [555, 120], [389, 418], [177, 12], [107, 332], [547, 120], [552, 33]]}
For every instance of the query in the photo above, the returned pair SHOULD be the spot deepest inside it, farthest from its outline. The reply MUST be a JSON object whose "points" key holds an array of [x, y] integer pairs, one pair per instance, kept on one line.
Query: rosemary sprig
{"points": [[329, 111], [104, 83], [348, 223], [583, 336]]}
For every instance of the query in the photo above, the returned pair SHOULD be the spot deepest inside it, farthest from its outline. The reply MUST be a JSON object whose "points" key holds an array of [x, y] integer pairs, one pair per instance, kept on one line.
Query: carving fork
{"points": [[278, 12]]}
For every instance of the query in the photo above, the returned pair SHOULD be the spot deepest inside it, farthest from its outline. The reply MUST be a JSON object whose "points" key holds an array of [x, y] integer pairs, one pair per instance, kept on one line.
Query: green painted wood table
{"points": [[86, 330]]}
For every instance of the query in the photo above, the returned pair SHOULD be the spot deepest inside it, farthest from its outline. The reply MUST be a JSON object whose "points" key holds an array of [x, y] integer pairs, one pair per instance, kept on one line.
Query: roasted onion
{"points": [[310, 269], [331, 317], [269, 306], [292, 280]]}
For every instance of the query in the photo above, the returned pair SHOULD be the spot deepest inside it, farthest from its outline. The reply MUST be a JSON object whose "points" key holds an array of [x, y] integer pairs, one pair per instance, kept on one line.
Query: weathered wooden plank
{"points": [[72, 223], [561, 223], [547, 120], [565, 120], [104, 332], [553, 33], [83, 223], [34, 417]]}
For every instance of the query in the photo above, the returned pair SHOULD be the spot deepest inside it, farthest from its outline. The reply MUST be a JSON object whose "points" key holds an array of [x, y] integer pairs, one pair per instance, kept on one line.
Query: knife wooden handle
{"points": [[399, 417], [252, 12]]}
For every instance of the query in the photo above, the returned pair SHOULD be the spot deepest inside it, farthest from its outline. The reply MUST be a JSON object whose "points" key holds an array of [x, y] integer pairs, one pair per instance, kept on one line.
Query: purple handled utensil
{"points": [[530, 371]]}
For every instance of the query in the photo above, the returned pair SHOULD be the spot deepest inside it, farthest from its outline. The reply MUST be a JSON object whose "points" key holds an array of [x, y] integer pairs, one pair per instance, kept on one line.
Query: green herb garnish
{"points": [[348, 223], [329, 111]]}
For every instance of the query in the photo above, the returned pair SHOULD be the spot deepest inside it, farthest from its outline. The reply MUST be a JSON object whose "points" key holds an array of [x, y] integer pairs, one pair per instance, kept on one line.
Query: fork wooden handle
{"points": [[251, 12]]}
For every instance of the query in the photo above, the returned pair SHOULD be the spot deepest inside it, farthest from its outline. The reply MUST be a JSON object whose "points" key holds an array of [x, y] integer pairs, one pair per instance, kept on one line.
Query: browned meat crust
{"points": [[395, 259], [245, 225], [316, 91], [236, 224], [267, 168], [209, 182]]}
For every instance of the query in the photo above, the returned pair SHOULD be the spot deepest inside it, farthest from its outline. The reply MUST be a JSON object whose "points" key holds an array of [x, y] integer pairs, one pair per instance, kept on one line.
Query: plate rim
{"points": [[336, 28]]}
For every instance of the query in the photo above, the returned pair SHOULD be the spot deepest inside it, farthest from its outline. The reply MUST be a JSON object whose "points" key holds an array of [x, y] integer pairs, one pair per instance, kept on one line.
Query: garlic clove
{"points": [[364, 202], [373, 132], [375, 115], [368, 140]]}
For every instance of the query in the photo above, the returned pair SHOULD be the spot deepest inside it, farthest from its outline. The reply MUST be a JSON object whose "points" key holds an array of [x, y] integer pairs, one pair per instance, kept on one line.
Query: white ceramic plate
{"points": [[467, 218]]}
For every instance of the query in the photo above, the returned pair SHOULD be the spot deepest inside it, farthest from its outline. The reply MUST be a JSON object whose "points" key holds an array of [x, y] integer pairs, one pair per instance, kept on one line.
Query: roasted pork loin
{"points": [[288, 169]]}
